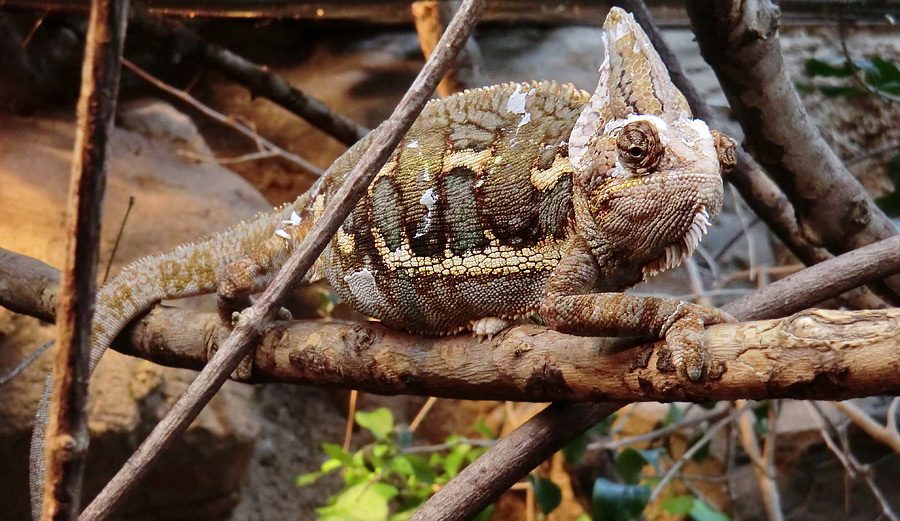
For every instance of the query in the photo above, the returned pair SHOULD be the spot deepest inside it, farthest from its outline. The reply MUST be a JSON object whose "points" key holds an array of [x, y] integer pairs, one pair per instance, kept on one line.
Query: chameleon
{"points": [[500, 203]]}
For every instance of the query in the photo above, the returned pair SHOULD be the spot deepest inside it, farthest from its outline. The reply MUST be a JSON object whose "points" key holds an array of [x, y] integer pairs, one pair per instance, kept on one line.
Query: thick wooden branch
{"points": [[779, 358], [740, 41], [815, 354]]}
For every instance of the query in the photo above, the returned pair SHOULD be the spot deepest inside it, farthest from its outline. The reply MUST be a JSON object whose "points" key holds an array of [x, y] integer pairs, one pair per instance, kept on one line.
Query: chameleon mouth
{"points": [[675, 254]]}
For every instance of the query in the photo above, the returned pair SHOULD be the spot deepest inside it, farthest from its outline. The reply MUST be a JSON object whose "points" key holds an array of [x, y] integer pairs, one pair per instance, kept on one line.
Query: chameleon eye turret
{"points": [[639, 146]]}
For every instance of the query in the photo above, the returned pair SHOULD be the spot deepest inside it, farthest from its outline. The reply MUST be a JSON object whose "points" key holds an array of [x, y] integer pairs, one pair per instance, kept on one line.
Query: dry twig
{"points": [[263, 143]]}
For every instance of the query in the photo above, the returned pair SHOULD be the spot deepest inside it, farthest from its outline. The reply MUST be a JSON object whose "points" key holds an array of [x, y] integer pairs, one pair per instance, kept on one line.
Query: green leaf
{"points": [[828, 68], [455, 459], [485, 431], [583, 517], [331, 464], [703, 452], [546, 493], [630, 463], [839, 91], [485, 514], [362, 502], [702, 512], [574, 450], [678, 504], [401, 465], [338, 453], [379, 422], [889, 204], [612, 501], [887, 71], [421, 469], [380, 450], [307, 479]]}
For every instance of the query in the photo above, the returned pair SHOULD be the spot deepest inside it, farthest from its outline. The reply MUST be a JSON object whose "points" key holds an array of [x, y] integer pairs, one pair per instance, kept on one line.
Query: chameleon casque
{"points": [[501, 202]]}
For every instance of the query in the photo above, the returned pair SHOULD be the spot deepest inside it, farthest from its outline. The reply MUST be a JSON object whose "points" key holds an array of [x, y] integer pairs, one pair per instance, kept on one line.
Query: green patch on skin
{"points": [[461, 211], [386, 212]]}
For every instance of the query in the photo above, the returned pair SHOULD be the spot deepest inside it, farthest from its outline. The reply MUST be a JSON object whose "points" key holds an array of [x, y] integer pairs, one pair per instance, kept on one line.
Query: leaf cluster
{"points": [[877, 75], [383, 480], [637, 471]]}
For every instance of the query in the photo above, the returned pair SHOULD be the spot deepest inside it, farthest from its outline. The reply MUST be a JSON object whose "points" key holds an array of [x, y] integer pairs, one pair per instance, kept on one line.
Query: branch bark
{"points": [[66, 441], [740, 41]]}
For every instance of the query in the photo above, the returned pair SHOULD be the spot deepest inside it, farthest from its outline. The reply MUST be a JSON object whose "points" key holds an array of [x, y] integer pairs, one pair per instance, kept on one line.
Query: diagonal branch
{"points": [[261, 81], [261, 142], [253, 320]]}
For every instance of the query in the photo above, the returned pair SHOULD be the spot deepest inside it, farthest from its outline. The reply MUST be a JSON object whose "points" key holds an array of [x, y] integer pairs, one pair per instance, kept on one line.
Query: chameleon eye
{"points": [[726, 150], [639, 145]]}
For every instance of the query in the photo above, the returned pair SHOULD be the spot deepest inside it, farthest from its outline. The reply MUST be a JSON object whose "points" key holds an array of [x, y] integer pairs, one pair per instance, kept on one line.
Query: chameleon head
{"points": [[647, 176]]}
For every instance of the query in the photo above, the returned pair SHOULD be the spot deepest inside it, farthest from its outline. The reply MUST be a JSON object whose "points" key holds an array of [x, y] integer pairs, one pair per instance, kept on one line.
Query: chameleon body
{"points": [[500, 202]]}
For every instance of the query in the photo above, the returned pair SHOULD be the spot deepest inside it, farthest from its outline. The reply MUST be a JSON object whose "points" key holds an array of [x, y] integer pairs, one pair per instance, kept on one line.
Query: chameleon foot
{"points": [[487, 327], [687, 339]]}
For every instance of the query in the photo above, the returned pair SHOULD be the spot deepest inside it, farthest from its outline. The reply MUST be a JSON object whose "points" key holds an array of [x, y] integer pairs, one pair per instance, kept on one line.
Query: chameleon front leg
{"points": [[568, 306]]}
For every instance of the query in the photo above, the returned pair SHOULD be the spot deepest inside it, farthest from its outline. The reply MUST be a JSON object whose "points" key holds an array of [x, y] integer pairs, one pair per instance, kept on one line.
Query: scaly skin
{"points": [[500, 202]]}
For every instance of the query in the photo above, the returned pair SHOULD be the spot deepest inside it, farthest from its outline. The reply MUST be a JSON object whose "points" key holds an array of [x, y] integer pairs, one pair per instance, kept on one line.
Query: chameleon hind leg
{"points": [[251, 274], [568, 306]]}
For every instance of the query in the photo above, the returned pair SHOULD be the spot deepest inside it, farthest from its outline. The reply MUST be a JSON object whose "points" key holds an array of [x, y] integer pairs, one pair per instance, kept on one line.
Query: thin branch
{"points": [[851, 464], [887, 149], [252, 321], [115, 249], [261, 81], [844, 272], [763, 462], [688, 454], [66, 441], [429, 403], [658, 433], [884, 434], [261, 142], [17, 370]]}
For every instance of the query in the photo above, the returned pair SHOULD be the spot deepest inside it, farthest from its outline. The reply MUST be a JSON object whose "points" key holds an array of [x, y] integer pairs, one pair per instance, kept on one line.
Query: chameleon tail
{"points": [[188, 270]]}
